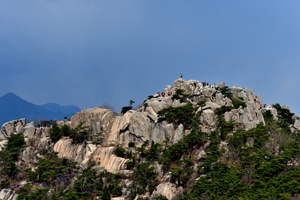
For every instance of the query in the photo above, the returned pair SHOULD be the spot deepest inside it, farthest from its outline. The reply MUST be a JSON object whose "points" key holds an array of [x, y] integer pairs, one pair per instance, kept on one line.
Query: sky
{"points": [[88, 52]]}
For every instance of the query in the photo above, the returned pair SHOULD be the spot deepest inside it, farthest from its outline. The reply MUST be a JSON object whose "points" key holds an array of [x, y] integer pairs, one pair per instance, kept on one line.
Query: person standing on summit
{"points": [[180, 75]]}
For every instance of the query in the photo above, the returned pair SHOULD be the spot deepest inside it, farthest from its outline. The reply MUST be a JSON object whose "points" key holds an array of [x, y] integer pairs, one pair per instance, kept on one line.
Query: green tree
{"points": [[55, 134]]}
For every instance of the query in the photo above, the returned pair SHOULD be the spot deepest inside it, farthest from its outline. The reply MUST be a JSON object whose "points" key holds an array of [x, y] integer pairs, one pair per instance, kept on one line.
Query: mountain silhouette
{"points": [[54, 107], [13, 107]]}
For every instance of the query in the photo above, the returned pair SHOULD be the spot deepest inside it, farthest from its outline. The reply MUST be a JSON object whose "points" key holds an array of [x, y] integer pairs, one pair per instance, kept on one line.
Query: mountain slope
{"points": [[54, 107], [13, 107]]}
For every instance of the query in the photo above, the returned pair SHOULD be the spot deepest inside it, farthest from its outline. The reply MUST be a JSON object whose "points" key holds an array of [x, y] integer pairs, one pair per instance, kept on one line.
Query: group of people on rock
{"points": [[162, 94], [206, 84], [263, 106]]}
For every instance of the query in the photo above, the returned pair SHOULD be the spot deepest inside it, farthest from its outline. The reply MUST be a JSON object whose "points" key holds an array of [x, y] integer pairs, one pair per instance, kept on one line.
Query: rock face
{"points": [[80, 153], [8, 128], [8, 194], [138, 127], [249, 116], [107, 159], [141, 125], [98, 119], [84, 153], [168, 190]]}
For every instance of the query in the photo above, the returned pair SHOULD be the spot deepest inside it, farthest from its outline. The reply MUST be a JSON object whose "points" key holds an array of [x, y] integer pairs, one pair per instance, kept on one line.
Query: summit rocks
{"points": [[249, 116]]}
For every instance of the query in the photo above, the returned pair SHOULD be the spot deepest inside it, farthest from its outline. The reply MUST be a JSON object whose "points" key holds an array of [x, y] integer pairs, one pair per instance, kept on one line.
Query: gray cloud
{"points": [[88, 52]]}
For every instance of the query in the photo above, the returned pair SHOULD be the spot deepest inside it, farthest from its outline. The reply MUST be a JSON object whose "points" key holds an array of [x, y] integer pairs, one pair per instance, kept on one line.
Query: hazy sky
{"points": [[88, 52]]}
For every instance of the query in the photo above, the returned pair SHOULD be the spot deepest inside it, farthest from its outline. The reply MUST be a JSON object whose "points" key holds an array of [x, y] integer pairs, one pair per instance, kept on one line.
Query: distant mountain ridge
{"points": [[54, 107], [13, 107]]}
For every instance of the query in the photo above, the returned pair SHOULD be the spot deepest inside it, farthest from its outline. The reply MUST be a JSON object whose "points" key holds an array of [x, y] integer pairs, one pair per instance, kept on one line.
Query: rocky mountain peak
{"points": [[191, 119]]}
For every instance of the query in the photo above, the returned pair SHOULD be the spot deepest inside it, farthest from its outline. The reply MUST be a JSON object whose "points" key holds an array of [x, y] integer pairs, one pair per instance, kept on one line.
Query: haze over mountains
{"points": [[13, 107]]}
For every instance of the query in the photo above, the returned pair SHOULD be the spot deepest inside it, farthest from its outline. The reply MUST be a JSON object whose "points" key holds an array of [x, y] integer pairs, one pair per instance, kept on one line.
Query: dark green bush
{"points": [[223, 109], [117, 191], [65, 130], [180, 115], [9, 157], [226, 91], [120, 152], [131, 144], [125, 109], [179, 94], [237, 102], [55, 134]]}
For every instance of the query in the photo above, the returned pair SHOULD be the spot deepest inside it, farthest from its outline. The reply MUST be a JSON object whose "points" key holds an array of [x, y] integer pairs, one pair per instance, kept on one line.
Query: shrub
{"points": [[179, 94], [107, 106], [226, 91], [55, 134], [237, 102], [125, 109], [131, 144], [9, 157], [180, 115], [120, 152], [129, 164], [117, 191], [65, 130], [15, 142], [223, 109], [80, 133]]}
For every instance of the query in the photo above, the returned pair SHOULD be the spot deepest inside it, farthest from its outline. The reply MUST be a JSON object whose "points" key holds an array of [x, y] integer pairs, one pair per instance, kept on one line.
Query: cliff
{"points": [[136, 146]]}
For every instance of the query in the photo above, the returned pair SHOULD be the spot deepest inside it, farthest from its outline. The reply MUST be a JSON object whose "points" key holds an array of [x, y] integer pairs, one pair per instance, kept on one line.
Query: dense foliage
{"points": [[79, 134], [180, 95], [250, 170], [10, 156], [186, 115]]}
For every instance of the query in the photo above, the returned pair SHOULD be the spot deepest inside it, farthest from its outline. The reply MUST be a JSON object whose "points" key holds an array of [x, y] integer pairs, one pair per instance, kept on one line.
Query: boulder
{"points": [[179, 83], [105, 157], [208, 116], [29, 131], [178, 134], [285, 107], [80, 153], [8, 194], [159, 103], [12, 127], [297, 124], [227, 116], [3, 145], [211, 105], [96, 117], [219, 99], [222, 84], [169, 190], [200, 154]]}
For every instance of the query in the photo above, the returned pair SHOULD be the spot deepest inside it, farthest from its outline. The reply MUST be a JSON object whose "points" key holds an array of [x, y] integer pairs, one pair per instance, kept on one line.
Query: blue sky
{"points": [[85, 53]]}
